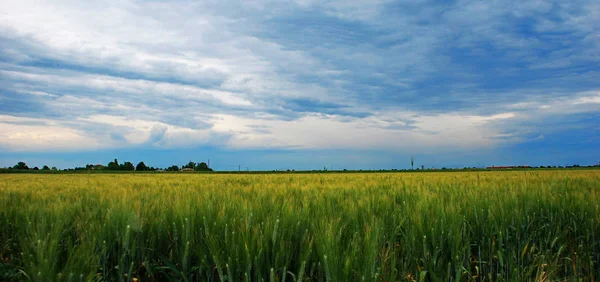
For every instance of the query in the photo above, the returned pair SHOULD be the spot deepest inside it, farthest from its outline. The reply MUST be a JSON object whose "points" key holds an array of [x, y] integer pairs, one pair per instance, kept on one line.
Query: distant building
{"points": [[187, 169]]}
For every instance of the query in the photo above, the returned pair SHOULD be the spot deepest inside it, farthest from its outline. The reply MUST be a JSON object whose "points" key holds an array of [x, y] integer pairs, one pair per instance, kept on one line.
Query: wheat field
{"points": [[443, 226]]}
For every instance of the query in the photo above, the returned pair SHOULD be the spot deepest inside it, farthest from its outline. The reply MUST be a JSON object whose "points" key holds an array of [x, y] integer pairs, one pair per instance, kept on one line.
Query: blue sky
{"points": [[300, 84]]}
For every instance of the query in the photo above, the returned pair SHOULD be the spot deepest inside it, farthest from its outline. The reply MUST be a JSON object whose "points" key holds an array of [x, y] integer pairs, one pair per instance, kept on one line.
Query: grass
{"points": [[460, 226]]}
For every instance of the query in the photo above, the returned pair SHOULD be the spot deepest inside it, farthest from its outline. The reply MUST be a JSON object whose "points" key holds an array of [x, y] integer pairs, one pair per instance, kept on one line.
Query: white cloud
{"points": [[136, 131], [30, 134], [309, 132], [589, 98], [129, 86], [37, 93], [576, 103], [331, 131], [94, 132], [360, 10]]}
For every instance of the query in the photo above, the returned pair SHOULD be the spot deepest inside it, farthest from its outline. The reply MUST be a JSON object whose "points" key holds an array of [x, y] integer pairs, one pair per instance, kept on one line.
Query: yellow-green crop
{"points": [[460, 226]]}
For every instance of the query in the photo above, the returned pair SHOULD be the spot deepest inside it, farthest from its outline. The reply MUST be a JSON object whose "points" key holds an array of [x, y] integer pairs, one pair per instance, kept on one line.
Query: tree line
{"points": [[202, 166], [125, 166]]}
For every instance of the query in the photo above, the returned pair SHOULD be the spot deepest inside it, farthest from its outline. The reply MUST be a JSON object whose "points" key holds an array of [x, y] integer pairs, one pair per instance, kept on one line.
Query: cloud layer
{"points": [[295, 75]]}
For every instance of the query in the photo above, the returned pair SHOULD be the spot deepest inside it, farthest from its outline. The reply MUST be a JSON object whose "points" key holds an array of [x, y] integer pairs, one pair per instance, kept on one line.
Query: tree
{"points": [[202, 167], [36, 168], [173, 168], [45, 167], [113, 165], [141, 167], [127, 166], [21, 165]]}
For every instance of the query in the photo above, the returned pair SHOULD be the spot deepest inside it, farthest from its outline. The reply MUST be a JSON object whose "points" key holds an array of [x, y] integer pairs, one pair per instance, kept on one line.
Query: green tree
{"points": [[173, 168], [113, 165], [141, 167], [21, 165], [127, 166], [191, 165], [202, 167], [45, 167]]}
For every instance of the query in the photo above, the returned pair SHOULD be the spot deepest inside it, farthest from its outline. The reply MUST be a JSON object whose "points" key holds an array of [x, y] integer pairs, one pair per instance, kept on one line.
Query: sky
{"points": [[264, 85]]}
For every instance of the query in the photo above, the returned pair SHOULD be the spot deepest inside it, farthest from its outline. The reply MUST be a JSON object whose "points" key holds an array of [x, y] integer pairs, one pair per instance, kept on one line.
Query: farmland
{"points": [[453, 226]]}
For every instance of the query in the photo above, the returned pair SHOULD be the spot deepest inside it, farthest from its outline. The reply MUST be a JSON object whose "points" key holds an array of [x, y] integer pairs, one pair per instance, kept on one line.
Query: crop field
{"points": [[459, 226]]}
